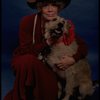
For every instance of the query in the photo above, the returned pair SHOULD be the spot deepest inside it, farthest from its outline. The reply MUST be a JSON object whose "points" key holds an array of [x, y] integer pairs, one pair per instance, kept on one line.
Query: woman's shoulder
{"points": [[27, 17]]}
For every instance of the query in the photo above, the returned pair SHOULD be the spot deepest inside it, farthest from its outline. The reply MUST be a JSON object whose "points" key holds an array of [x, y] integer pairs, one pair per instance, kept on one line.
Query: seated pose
{"points": [[34, 79]]}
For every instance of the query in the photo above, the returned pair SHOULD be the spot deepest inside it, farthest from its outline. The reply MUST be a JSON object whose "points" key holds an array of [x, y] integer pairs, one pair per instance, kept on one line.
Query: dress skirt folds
{"points": [[32, 74]]}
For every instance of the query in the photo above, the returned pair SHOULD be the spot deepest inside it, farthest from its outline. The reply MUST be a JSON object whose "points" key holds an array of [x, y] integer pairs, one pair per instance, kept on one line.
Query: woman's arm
{"points": [[26, 44], [82, 50], [81, 53]]}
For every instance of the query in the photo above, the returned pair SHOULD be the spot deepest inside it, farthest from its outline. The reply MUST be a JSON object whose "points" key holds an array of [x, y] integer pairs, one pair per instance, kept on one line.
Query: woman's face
{"points": [[49, 11]]}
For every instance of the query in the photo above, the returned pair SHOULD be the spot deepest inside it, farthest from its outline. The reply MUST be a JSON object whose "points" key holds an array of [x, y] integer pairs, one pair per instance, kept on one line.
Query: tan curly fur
{"points": [[78, 74]]}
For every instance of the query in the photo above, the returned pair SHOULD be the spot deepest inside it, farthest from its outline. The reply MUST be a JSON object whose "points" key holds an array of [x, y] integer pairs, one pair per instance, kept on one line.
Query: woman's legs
{"points": [[31, 73]]}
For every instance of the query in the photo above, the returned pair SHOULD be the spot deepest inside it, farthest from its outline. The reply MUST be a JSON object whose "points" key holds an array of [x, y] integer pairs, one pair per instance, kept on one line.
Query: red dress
{"points": [[33, 78]]}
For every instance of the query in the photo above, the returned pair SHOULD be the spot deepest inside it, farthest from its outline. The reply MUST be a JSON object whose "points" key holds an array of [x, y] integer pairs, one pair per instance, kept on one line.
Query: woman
{"points": [[33, 78]]}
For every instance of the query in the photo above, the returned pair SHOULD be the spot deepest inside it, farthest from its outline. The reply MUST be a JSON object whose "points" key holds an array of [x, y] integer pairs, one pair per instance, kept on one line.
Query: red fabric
{"points": [[71, 36], [82, 50], [26, 36], [30, 71]]}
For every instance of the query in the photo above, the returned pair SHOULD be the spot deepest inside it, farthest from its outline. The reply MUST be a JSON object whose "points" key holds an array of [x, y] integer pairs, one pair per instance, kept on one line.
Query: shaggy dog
{"points": [[78, 74]]}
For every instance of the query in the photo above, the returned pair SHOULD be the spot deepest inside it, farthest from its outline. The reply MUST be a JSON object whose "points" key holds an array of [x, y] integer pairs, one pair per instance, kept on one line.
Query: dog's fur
{"points": [[78, 74]]}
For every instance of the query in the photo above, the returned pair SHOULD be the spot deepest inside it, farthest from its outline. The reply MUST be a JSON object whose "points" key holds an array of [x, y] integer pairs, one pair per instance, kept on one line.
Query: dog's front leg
{"points": [[69, 85]]}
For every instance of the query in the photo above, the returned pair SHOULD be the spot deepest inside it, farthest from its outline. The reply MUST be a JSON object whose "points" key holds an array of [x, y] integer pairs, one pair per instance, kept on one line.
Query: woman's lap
{"points": [[29, 71]]}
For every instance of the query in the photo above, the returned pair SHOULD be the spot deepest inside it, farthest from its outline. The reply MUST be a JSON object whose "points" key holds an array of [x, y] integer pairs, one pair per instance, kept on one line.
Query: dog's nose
{"points": [[60, 25]]}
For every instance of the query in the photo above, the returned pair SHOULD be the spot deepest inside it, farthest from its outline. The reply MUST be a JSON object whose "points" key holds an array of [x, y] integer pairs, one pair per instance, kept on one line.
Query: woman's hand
{"points": [[65, 62]]}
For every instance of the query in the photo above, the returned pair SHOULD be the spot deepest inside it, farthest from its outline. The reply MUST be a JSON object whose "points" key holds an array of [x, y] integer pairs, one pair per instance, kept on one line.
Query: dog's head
{"points": [[56, 32], [54, 29]]}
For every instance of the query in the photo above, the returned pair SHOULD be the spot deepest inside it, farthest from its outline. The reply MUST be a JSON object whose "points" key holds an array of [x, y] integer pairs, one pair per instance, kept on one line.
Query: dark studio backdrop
{"points": [[83, 13]]}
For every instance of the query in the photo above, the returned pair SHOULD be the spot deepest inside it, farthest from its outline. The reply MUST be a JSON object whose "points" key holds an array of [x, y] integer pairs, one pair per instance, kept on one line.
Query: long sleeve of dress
{"points": [[82, 50], [26, 44]]}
